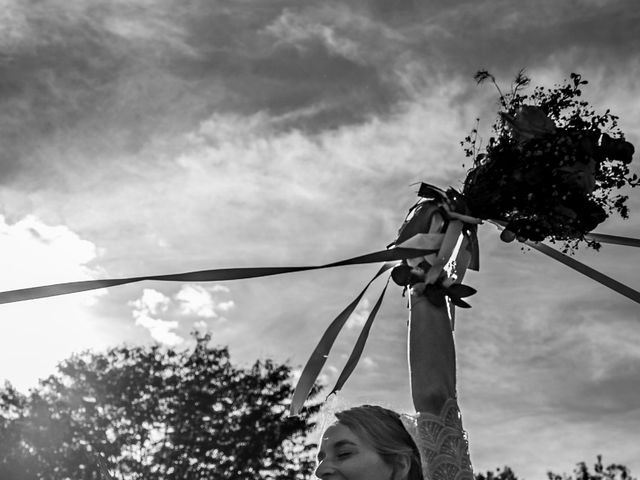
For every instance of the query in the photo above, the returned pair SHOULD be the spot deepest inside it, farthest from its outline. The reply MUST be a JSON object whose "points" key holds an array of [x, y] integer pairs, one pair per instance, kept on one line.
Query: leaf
{"points": [[460, 290], [459, 302], [429, 191]]}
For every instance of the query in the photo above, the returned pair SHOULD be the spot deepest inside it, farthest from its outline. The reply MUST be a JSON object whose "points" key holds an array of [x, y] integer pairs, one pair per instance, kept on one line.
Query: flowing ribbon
{"points": [[216, 275], [613, 239], [584, 269], [449, 240], [321, 352], [467, 252], [359, 346], [445, 254]]}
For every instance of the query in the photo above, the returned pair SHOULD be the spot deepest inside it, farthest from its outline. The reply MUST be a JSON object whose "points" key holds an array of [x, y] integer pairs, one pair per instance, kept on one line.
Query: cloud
{"points": [[201, 325], [122, 75], [199, 301], [298, 30], [191, 301], [359, 317], [218, 288], [131, 78], [599, 346], [226, 306], [369, 362], [54, 253], [152, 301], [344, 31], [160, 330], [251, 181], [496, 34], [37, 334], [195, 300], [123, 67], [146, 309]]}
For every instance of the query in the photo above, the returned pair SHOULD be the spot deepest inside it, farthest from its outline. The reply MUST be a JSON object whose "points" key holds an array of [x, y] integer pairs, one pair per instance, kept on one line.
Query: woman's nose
{"points": [[324, 469]]}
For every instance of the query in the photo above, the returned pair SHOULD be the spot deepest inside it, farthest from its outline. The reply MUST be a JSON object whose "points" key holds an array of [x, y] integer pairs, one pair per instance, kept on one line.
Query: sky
{"points": [[156, 136]]}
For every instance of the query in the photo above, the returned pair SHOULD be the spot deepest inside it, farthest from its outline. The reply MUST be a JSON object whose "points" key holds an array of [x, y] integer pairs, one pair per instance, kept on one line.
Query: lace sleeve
{"points": [[443, 444]]}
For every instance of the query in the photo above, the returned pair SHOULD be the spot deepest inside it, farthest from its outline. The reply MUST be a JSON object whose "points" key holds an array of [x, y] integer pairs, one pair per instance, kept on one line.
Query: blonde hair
{"points": [[384, 431]]}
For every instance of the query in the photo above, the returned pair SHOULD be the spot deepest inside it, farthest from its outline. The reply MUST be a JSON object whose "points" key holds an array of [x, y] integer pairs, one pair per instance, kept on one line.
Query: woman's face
{"points": [[344, 456]]}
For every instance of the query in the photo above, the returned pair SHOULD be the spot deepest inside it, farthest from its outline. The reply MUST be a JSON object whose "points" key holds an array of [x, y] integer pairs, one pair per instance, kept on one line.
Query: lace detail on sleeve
{"points": [[443, 444]]}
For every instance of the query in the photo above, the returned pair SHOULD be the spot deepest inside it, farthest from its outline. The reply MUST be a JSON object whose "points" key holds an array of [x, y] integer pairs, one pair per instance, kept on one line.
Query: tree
{"points": [[581, 472], [500, 474], [153, 413]]}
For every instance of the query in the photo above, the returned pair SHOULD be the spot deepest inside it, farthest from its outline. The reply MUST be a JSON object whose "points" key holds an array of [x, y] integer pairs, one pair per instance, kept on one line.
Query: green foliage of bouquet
{"points": [[551, 167]]}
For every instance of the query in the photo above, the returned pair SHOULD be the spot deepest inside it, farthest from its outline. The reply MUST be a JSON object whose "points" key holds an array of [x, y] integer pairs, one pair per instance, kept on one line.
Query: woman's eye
{"points": [[343, 454]]}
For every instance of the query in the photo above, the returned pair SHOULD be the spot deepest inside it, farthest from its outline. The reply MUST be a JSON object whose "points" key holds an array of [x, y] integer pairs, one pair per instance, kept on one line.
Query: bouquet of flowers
{"points": [[551, 167]]}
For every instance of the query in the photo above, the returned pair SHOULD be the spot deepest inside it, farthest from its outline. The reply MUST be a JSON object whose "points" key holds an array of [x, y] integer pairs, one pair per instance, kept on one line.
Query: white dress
{"points": [[443, 444]]}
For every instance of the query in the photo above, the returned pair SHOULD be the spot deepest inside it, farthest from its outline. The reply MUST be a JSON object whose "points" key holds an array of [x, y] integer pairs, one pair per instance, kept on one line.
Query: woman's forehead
{"points": [[338, 433]]}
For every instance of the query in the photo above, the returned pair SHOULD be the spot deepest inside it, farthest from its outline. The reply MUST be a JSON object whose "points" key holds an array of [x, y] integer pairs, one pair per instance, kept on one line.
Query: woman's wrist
{"points": [[418, 300]]}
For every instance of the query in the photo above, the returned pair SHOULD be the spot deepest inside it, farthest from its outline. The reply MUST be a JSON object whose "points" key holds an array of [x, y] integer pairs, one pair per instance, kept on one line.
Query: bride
{"points": [[372, 443]]}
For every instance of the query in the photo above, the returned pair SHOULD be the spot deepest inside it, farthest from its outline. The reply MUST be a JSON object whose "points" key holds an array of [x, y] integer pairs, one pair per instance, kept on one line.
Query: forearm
{"points": [[432, 363], [441, 438]]}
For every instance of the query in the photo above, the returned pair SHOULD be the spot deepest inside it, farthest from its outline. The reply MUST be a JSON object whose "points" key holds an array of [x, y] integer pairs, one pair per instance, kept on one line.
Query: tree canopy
{"points": [[154, 413], [613, 471]]}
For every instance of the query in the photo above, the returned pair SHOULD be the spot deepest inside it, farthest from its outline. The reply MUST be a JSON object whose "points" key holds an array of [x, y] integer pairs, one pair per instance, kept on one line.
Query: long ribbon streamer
{"points": [[216, 275], [474, 248], [427, 241], [358, 348], [593, 274], [460, 266], [598, 237], [451, 236], [321, 352], [604, 238], [586, 270]]}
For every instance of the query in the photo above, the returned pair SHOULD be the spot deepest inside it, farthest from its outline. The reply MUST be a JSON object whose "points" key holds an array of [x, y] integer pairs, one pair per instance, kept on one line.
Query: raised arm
{"points": [[441, 438], [432, 358]]}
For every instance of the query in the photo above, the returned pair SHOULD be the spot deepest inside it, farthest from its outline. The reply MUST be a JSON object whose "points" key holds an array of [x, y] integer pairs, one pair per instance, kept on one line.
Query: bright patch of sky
{"points": [[38, 334]]}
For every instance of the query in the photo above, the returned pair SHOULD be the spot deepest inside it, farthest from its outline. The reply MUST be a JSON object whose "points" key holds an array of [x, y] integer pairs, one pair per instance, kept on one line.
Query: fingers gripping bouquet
{"points": [[439, 222]]}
